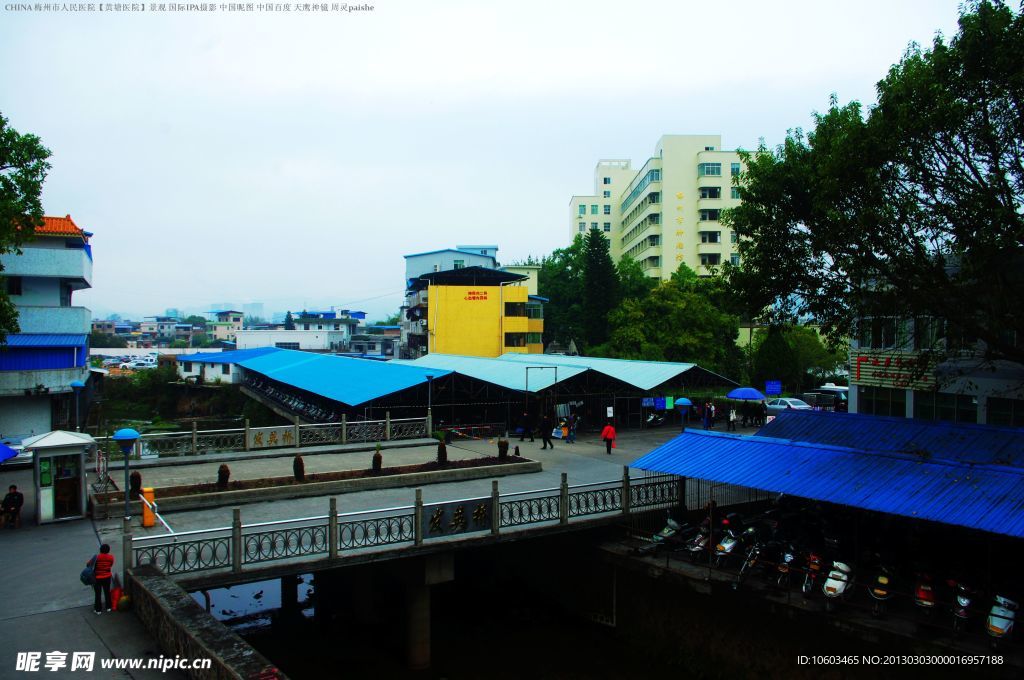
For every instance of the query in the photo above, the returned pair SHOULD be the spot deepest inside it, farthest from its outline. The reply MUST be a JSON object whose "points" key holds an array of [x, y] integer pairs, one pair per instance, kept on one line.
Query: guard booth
{"points": [[59, 472]]}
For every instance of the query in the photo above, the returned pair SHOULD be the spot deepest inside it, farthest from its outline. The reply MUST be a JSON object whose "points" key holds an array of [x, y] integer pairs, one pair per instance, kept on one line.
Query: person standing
{"points": [[527, 426], [101, 565], [732, 419], [573, 424], [705, 414], [711, 420], [546, 426], [608, 435], [763, 412]]}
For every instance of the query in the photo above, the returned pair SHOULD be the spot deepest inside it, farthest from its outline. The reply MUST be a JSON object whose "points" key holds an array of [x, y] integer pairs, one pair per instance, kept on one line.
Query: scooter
{"points": [[924, 593], [963, 596], [673, 533], [654, 419], [787, 561], [1001, 618], [813, 574], [880, 590], [839, 579]]}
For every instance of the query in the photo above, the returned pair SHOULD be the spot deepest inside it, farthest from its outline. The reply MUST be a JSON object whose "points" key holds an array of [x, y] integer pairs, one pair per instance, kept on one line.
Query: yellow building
{"points": [[667, 213], [472, 311]]}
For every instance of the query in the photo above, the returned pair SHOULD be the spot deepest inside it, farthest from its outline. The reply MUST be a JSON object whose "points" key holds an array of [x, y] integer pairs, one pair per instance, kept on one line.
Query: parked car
{"points": [[777, 406], [143, 362], [839, 393]]}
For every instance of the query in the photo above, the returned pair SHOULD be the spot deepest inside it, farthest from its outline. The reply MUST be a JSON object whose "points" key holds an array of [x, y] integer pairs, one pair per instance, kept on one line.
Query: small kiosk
{"points": [[59, 471]]}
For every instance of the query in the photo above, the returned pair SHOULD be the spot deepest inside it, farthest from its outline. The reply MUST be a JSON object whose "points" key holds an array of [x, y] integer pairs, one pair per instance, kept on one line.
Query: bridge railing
{"points": [[247, 438], [248, 545]]}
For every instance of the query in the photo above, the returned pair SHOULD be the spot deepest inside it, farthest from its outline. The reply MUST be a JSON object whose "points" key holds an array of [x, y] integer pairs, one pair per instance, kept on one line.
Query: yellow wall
{"points": [[470, 320]]}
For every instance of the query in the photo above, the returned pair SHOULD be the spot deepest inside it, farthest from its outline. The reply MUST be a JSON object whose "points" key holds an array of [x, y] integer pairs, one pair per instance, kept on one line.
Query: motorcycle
{"points": [[840, 578], [672, 534], [1001, 618], [924, 593], [813, 574], [785, 566], [962, 598], [880, 590]]}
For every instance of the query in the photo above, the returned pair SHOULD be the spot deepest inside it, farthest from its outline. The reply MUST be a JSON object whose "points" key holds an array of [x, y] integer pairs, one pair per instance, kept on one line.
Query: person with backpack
{"points": [[101, 564]]}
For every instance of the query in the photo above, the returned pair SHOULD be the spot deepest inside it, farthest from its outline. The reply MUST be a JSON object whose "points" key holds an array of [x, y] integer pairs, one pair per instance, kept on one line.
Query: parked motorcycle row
{"points": [[797, 550]]}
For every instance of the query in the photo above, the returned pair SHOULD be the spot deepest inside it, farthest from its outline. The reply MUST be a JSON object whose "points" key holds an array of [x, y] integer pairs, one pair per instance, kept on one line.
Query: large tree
{"points": [[633, 283], [23, 168], [914, 209], [560, 280], [600, 288]]}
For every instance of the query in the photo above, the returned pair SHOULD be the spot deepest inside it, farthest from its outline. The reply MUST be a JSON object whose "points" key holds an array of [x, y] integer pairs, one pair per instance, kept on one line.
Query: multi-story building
{"points": [[227, 325], [449, 258], [667, 213], [38, 364], [158, 329]]}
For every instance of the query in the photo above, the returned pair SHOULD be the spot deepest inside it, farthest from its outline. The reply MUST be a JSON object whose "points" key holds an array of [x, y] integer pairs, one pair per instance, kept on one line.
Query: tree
{"points": [[916, 209], [179, 344], [390, 321], [600, 288], [97, 339], [200, 340], [560, 280], [254, 321], [196, 320], [633, 283], [774, 359], [800, 365], [289, 322], [23, 168]]}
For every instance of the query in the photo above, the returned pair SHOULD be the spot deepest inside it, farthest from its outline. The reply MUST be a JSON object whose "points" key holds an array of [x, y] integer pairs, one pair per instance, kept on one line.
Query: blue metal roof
{"points": [[234, 356], [644, 375], [507, 374], [967, 443], [985, 497], [45, 340], [350, 381]]}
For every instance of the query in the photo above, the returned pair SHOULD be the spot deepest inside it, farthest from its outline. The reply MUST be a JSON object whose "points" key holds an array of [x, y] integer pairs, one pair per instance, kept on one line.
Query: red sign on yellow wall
{"points": [[476, 295]]}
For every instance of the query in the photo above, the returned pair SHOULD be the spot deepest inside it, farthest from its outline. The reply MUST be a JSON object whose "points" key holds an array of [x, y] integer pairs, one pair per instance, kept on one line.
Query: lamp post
{"points": [[126, 439], [77, 386], [430, 393]]}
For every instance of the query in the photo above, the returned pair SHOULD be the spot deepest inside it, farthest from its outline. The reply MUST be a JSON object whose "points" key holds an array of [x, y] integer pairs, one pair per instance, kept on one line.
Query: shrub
{"points": [[378, 460], [299, 469], [223, 477], [442, 453], [516, 452], [503, 449]]}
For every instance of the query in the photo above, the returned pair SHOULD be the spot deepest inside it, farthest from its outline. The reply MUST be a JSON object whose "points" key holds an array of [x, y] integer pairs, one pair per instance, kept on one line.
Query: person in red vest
{"points": [[608, 435], [101, 565]]}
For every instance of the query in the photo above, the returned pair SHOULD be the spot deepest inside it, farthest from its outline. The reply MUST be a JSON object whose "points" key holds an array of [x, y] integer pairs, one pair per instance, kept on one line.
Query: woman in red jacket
{"points": [[608, 435], [101, 565]]}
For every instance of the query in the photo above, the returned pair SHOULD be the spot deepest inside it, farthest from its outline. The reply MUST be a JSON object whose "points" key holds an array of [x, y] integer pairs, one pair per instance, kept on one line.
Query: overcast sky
{"points": [[292, 159]]}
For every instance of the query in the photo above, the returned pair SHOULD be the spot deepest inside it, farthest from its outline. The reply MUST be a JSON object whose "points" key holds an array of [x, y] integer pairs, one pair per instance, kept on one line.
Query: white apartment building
{"points": [[667, 212]]}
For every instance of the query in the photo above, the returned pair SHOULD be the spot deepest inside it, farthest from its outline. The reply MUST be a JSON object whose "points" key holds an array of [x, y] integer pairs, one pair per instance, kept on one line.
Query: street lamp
{"points": [[430, 393], [77, 386], [126, 439]]}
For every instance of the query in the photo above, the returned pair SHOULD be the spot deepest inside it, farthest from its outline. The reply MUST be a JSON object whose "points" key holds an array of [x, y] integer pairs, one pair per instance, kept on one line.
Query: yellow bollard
{"points": [[148, 516]]}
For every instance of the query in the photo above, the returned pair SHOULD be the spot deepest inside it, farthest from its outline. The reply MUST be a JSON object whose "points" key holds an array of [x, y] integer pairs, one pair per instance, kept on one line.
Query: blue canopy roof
{"points": [[985, 497], [45, 340], [644, 375], [234, 356], [349, 381], [507, 374]]}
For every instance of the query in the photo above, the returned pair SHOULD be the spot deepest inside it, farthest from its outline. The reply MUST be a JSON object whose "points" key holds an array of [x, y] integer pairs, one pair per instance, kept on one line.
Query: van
{"points": [[839, 393]]}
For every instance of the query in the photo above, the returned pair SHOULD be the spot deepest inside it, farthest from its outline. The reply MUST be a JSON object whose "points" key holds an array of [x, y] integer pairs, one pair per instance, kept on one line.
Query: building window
{"points": [[710, 237], [583, 209], [533, 339], [583, 227], [734, 192], [734, 259], [1009, 412], [607, 227], [225, 369], [709, 215], [711, 192], [187, 367], [286, 345], [515, 309], [515, 339], [709, 148], [606, 194], [593, 225], [593, 208], [710, 259], [606, 209], [733, 237], [14, 285], [882, 401], [606, 180], [878, 333], [459, 264], [709, 170], [735, 169], [534, 311], [952, 408], [371, 347]]}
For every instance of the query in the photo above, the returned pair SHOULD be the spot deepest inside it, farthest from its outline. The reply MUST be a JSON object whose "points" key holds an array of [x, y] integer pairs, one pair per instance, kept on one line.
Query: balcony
{"points": [[69, 263], [54, 319], [53, 381]]}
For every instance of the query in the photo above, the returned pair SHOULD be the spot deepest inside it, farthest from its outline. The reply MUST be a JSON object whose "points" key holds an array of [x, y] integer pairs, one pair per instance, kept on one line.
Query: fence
{"points": [[198, 442], [241, 545]]}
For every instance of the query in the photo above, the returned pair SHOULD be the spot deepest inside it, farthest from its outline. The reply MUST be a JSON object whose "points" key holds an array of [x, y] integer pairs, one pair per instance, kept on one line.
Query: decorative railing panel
{"points": [[319, 434], [167, 444], [365, 533], [653, 493], [366, 431], [285, 542], [520, 511], [408, 429], [183, 557], [595, 501], [227, 440]]}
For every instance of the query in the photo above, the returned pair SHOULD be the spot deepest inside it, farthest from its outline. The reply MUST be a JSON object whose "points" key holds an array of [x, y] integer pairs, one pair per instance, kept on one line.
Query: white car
{"points": [[145, 362], [777, 406]]}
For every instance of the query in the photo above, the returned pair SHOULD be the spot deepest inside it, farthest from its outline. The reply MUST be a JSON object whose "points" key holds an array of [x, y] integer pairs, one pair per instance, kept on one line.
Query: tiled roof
{"points": [[60, 226]]}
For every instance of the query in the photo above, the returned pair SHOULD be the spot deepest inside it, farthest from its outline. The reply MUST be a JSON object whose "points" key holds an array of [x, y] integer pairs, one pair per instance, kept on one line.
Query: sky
{"points": [[294, 158]]}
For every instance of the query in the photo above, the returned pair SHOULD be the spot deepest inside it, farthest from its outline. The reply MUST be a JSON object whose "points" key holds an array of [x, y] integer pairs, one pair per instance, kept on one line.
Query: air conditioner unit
{"points": [[423, 322]]}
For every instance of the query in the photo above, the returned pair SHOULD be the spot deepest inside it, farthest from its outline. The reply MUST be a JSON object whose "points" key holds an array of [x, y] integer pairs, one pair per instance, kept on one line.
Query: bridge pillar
{"points": [[418, 619], [290, 595]]}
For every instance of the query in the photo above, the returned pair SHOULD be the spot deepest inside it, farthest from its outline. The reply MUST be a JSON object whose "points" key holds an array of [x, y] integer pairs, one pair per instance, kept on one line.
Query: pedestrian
{"points": [[732, 420], [712, 419], [705, 414], [527, 426], [101, 565], [608, 435], [12, 506], [573, 424], [764, 412], [546, 426]]}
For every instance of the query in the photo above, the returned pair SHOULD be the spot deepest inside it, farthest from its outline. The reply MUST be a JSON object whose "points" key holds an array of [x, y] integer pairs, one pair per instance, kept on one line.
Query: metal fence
{"points": [[198, 442], [241, 545]]}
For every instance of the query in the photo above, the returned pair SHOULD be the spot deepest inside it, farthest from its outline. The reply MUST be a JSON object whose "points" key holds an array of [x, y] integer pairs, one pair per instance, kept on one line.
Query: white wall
{"points": [[308, 340], [24, 416]]}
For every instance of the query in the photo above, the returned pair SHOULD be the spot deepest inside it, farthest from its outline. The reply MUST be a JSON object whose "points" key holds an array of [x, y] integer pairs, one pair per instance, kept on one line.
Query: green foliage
{"points": [[803, 362], [560, 280], [179, 344], [23, 168], [774, 359], [914, 209], [392, 320], [97, 339], [600, 288], [633, 283], [289, 322], [195, 320]]}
